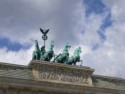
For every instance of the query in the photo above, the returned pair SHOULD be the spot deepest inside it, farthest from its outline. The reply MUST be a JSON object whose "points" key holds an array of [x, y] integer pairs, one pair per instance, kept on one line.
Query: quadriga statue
{"points": [[62, 58], [36, 52], [75, 57], [47, 56]]}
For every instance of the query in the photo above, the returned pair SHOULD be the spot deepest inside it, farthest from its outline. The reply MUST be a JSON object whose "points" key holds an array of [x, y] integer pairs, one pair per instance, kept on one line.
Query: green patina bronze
{"points": [[36, 52], [75, 57], [47, 56], [62, 58], [43, 50], [43, 55]]}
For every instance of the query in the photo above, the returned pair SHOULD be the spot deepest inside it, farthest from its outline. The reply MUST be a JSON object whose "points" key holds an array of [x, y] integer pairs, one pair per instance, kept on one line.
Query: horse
{"points": [[47, 56], [75, 57], [62, 58], [36, 52]]}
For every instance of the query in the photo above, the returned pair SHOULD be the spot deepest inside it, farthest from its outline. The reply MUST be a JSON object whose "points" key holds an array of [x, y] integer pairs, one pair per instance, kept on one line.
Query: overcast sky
{"points": [[98, 26]]}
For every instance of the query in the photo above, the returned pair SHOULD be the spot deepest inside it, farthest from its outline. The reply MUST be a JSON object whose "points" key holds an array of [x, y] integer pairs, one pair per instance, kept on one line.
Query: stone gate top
{"points": [[61, 73]]}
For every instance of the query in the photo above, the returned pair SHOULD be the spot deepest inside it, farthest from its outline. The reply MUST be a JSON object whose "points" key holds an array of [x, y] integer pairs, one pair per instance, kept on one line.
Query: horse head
{"points": [[66, 47], [51, 46], [77, 51], [36, 46], [52, 43]]}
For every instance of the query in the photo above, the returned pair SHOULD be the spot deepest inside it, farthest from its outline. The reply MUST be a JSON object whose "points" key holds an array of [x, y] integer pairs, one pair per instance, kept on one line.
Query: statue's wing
{"points": [[46, 31], [42, 31]]}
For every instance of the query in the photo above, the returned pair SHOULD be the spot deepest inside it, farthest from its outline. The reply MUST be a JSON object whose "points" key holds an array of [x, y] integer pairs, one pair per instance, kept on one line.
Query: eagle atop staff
{"points": [[44, 32], [44, 36]]}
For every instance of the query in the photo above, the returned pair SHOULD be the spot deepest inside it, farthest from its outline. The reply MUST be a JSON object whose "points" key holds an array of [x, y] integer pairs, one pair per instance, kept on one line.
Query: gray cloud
{"points": [[20, 21]]}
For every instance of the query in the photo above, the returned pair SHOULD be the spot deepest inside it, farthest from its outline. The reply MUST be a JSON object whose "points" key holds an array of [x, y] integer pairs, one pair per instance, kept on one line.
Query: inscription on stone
{"points": [[63, 77], [65, 74], [61, 73]]}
